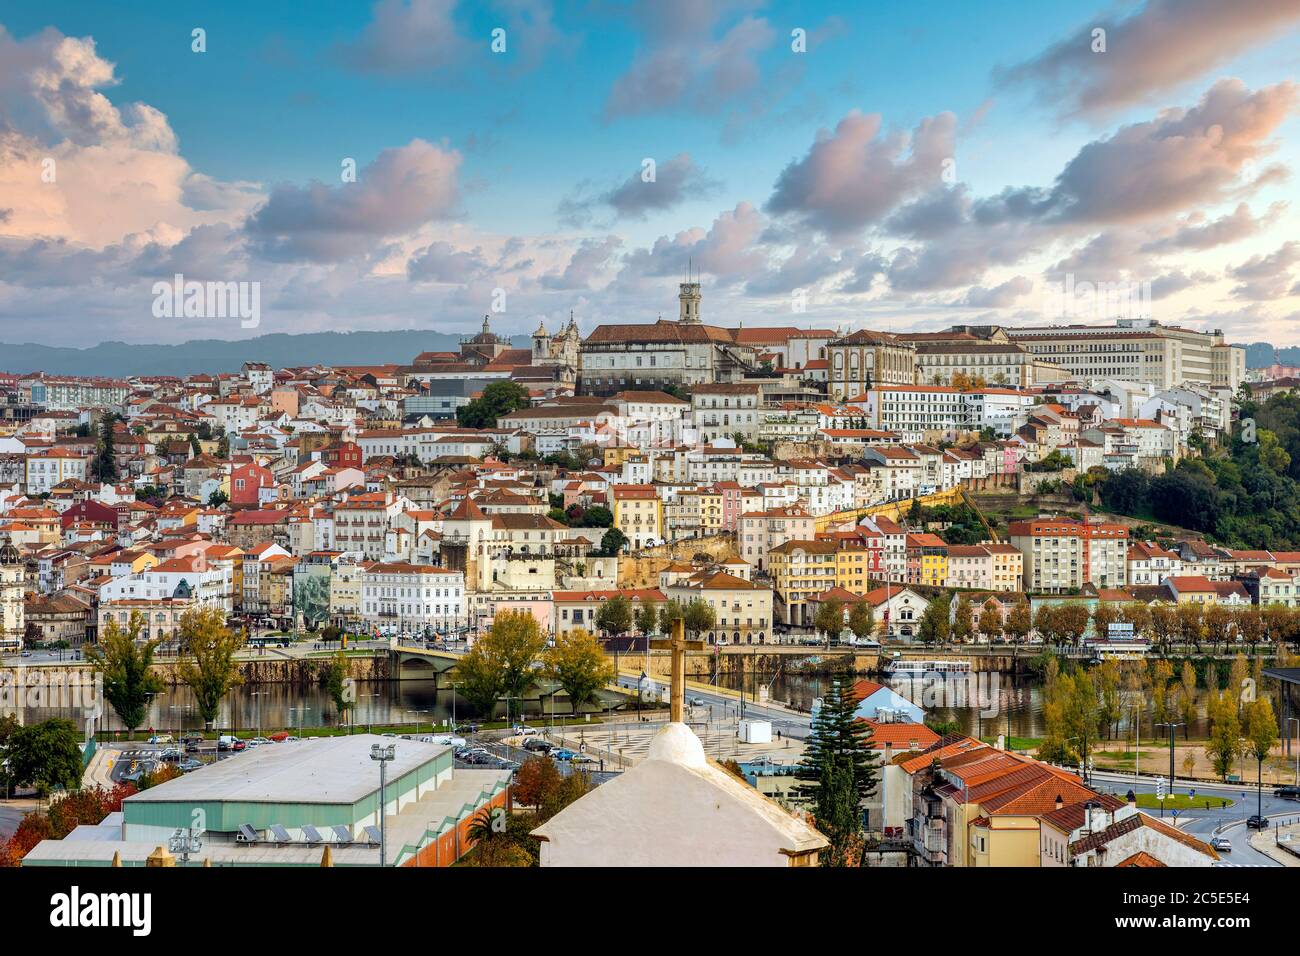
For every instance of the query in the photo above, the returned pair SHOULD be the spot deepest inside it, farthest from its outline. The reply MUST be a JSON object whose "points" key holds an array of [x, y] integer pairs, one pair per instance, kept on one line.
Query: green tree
{"points": [[209, 667], [499, 399], [990, 620], [614, 617], [1261, 735], [934, 621], [334, 677], [501, 661], [612, 542], [576, 662], [123, 662], [647, 617], [963, 621], [1225, 733], [698, 616], [105, 461], [837, 759], [44, 756], [829, 618], [862, 620], [835, 811]]}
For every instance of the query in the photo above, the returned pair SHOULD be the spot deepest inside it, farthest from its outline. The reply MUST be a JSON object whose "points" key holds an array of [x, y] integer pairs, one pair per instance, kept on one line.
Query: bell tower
{"points": [[688, 299]]}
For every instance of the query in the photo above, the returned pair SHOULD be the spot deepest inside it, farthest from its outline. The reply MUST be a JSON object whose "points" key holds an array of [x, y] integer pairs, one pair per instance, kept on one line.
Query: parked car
{"points": [[695, 701], [161, 739], [466, 729], [258, 741], [584, 759], [171, 755], [279, 736], [520, 730], [188, 764], [1287, 792], [1222, 844], [538, 745], [192, 746], [239, 745], [563, 753], [1256, 822]]}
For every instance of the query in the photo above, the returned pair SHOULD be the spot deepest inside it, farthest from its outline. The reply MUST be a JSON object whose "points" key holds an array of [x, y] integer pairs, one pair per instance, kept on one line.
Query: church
{"points": [[665, 354]]}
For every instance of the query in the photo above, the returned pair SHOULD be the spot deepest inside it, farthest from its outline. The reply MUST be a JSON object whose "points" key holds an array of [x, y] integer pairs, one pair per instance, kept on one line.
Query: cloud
{"points": [[1179, 159], [1157, 48], [999, 297], [589, 262], [1267, 276], [856, 176], [683, 61], [676, 180], [407, 36], [1198, 233], [443, 262], [401, 190]]}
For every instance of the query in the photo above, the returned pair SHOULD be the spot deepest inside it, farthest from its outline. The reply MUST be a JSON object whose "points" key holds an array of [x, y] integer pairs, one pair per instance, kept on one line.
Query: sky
{"points": [[421, 163]]}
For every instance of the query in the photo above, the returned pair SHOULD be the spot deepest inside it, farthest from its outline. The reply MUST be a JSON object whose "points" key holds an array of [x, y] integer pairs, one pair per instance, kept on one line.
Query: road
{"points": [[1207, 824], [721, 704]]}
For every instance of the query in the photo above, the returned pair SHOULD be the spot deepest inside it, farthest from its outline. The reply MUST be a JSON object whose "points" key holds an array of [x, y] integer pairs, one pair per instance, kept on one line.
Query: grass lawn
{"points": [[1180, 801], [1018, 743]]}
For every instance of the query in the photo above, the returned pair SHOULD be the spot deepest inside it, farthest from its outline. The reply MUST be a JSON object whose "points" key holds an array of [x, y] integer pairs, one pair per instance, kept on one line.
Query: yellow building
{"points": [[800, 570], [852, 567], [638, 513], [927, 560]]}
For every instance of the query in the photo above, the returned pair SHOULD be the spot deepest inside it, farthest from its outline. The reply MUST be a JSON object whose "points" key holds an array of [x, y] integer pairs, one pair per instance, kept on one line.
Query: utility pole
{"points": [[1173, 726], [382, 755]]}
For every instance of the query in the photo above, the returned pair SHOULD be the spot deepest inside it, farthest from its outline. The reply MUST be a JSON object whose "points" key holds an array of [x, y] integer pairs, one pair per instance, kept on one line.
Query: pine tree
{"points": [[838, 736]]}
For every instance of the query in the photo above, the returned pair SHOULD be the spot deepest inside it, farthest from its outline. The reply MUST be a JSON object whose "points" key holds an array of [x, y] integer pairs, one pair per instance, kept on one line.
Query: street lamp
{"points": [[1289, 722], [417, 714], [382, 754], [184, 842], [1173, 725], [259, 694], [301, 711]]}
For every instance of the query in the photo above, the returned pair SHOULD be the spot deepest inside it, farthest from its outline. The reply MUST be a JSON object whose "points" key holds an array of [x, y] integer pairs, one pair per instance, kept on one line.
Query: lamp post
{"points": [[454, 685], [417, 714], [301, 711], [1289, 722], [184, 842], [382, 754], [1173, 726], [259, 694]]}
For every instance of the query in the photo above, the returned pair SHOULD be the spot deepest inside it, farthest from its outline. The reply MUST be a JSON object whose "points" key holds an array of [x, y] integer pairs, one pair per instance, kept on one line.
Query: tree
{"points": [[829, 618], [501, 662], [535, 781], [1261, 735], [612, 543], [597, 516], [334, 677], [862, 620], [1103, 616], [933, 628], [698, 617], [647, 617], [1225, 733], [218, 498], [835, 811], [1187, 710], [123, 662], [1046, 623], [44, 756], [576, 662], [990, 620], [614, 617], [209, 667], [106, 461], [499, 399], [838, 767], [1162, 673], [1019, 621], [1072, 622], [963, 621]]}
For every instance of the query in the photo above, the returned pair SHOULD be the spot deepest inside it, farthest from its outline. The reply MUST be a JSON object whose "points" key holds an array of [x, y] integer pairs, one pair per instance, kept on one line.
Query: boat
{"points": [[945, 667]]}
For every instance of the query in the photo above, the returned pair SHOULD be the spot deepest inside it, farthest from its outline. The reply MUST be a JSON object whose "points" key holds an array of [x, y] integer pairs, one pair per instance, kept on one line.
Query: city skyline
{"points": [[971, 163]]}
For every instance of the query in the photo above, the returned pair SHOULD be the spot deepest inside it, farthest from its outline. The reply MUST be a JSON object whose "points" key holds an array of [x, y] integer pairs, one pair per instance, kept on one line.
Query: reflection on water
{"points": [[984, 704], [272, 707]]}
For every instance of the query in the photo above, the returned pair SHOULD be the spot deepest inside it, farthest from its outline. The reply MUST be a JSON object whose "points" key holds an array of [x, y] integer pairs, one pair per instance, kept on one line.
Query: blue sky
{"points": [[918, 165]]}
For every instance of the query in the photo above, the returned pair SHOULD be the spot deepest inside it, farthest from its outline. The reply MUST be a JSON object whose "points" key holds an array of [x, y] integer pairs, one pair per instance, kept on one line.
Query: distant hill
{"points": [[217, 355], [1261, 354]]}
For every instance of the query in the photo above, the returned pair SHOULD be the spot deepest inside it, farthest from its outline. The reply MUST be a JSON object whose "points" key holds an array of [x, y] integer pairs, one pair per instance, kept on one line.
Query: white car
{"points": [[583, 759], [525, 731]]}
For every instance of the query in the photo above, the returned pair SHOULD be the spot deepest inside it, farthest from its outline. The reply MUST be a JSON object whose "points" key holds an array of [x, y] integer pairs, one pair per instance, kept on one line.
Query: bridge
{"points": [[414, 662]]}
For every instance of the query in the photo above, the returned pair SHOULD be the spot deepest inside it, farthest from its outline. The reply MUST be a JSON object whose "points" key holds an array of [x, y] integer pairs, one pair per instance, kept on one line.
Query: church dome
{"points": [[9, 554], [677, 743]]}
